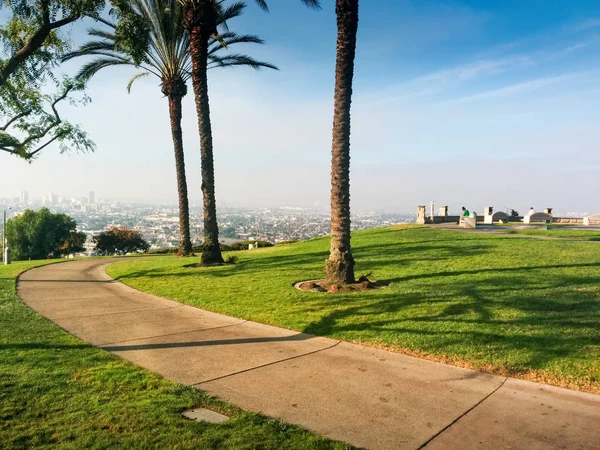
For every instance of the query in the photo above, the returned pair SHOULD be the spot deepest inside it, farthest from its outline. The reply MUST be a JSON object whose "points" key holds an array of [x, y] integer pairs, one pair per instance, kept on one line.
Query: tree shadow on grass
{"points": [[387, 256], [538, 324]]}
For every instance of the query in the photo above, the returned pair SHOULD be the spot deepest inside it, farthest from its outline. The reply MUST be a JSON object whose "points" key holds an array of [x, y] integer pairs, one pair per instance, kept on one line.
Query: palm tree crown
{"points": [[167, 55]]}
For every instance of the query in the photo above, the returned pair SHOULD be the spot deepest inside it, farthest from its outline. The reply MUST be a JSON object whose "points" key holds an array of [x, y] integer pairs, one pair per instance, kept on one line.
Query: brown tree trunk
{"points": [[339, 268], [211, 251], [185, 243]]}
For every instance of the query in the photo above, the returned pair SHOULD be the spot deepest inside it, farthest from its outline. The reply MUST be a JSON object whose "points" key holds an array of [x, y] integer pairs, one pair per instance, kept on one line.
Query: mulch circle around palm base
{"points": [[362, 284]]}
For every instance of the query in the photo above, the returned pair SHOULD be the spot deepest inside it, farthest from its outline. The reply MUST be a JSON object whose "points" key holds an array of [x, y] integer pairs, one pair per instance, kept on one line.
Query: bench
{"points": [[497, 217], [538, 217], [468, 222]]}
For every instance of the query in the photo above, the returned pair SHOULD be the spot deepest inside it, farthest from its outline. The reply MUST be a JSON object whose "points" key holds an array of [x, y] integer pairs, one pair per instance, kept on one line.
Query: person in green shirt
{"points": [[465, 212]]}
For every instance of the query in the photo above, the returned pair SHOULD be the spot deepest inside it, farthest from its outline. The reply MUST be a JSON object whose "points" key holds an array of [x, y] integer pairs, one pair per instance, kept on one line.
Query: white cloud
{"points": [[519, 88], [588, 24]]}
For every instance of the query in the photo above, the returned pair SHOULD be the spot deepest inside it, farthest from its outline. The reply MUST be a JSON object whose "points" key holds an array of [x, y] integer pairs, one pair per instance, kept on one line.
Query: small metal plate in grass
{"points": [[205, 415]]}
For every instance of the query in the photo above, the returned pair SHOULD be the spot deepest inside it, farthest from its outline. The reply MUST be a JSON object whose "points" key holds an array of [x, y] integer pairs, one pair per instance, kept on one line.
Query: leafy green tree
{"points": [[339, 268], [42, 234], [120, 240], [200, 19], [31, 47], [160, 47]]}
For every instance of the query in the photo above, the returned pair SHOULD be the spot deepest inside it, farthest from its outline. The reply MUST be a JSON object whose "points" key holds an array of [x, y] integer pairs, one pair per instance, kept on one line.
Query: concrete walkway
{"points": [[498, 231], [369, 398]]}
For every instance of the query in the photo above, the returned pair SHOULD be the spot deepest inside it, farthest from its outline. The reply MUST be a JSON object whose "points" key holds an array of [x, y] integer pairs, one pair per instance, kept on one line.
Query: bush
{"points": [[231, 260], [243, 245], [119, 240], [291, 241], [42, 234], [235, 247]]}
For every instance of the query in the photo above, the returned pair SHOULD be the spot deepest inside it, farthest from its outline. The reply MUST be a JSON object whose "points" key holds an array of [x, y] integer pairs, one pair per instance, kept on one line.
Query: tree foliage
{"points": [[42, 234], [30, 87], [120, 240]]}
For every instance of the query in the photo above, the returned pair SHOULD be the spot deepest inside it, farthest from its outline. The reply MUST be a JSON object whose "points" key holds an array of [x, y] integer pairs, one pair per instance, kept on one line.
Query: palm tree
{"points": [[339, 268], [200, 19], [167, 56]]}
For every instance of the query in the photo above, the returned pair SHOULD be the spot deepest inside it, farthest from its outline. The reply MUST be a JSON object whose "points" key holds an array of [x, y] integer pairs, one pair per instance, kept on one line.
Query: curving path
{"points": [[366, 397]]}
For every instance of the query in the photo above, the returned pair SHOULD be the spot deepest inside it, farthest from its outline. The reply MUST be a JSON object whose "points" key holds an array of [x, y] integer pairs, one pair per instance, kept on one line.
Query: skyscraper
{"points": [[24, 197], [92, 197]]}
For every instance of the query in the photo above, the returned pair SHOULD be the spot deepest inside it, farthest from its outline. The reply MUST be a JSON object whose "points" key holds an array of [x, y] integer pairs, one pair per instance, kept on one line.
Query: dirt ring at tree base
{"points": [[362, 285]]}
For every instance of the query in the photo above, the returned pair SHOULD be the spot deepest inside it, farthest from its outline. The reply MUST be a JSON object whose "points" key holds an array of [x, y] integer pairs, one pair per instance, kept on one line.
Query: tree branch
{"points": [[39, 149], [35, 42], [9, 150], [57, 121], [14, 119], [19, 148]]}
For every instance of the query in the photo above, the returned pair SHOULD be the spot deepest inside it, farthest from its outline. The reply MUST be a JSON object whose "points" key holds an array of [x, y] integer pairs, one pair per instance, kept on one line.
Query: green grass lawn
{"points": [[592, 235], [525, 307], [56, 391]]}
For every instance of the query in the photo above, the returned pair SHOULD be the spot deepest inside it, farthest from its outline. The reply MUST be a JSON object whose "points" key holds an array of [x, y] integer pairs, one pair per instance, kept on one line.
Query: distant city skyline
{"points": [[57, 199], [462, 102]]}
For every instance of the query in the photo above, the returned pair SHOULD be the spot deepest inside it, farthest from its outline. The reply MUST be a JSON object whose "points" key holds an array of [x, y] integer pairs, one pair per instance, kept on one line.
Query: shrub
{"points": [[291, 241], [118, 240], [42, 234]]}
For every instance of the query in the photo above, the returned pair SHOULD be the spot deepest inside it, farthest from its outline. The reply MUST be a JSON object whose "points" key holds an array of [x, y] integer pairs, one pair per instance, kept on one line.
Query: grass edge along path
{"points": [[525, 308], [56, 391]]}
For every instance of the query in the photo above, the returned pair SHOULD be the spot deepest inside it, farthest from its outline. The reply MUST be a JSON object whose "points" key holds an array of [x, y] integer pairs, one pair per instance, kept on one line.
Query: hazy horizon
{"points": [[459, 102]]}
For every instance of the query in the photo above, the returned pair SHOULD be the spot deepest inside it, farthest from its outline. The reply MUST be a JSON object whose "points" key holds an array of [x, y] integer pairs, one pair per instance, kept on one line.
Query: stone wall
{"points": [[571, 220]]}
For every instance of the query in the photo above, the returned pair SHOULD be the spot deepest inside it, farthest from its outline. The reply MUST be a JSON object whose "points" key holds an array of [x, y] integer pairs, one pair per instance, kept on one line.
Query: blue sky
{"points": [[461, 102]]}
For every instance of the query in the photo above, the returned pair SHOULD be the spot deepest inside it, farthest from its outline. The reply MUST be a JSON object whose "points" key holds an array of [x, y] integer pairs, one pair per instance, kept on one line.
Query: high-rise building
{"points": [[92, 197], [24, 197]]}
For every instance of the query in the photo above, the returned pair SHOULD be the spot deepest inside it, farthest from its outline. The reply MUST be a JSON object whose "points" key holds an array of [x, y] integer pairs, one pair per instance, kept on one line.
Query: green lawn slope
{"points": [[522, 307], [58, 392]]}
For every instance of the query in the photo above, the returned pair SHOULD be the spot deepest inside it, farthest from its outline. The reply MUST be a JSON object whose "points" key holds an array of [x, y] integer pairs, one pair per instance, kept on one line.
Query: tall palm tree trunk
{"points": [[185, 243], [211, 251], [339, 268]]}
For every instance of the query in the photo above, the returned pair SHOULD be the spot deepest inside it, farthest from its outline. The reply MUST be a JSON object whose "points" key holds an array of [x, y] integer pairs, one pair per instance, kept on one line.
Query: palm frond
{"points": [[134, 78], [310, 3], [239, 60], [102, 34], [263, 4], [230, 38], [91, 68], [91, 48], [232, 11]]}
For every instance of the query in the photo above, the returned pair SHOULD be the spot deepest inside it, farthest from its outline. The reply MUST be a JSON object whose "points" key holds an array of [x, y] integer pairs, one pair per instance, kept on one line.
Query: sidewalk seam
{"points": [[173, 334], [266, 365], [114, 312], [461, 416]]}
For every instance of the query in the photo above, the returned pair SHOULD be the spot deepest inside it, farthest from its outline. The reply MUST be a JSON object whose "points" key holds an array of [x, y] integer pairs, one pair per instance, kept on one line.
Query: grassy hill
{"points": [[522, 307]]}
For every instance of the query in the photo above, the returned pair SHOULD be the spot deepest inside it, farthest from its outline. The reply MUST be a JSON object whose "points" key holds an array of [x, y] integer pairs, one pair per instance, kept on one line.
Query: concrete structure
{"points": [[366, 397], [421, 214], [594, 219], [92, 197], [469, 222], [4, 248], [205, 415], [538, 217], [24, 198], [490, 217]]}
